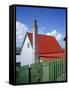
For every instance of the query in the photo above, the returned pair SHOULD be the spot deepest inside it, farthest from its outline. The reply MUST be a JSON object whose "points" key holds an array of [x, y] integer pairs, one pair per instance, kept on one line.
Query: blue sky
{"points": [[50, 21]]}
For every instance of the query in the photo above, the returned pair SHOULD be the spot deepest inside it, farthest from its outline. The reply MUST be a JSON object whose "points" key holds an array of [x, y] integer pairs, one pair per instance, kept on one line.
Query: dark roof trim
{"points": [[24, 40], [23, 43]]}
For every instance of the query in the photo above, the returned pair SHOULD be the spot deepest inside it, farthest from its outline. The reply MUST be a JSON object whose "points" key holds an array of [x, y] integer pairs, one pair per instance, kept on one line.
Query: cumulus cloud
{"points": [[59, 37], [54, 33], [21, 30]]}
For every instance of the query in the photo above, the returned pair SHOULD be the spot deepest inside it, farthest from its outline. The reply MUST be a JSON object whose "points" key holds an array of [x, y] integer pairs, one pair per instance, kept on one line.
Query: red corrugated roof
{"points": [[48, 47], [53, 55], [46, 44]]}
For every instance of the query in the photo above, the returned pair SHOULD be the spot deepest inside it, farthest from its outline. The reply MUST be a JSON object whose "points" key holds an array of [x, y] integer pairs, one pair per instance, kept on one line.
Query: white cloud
{"points": [[21, 30], [59, 37]]}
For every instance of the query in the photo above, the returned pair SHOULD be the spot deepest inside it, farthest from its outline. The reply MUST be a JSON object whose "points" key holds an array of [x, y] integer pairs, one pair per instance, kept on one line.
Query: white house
{"points": [[26, 55], [37, 46]]}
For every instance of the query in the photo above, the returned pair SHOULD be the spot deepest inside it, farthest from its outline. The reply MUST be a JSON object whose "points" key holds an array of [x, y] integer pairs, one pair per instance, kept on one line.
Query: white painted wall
{"points": [[17, 58], [26, 57]]}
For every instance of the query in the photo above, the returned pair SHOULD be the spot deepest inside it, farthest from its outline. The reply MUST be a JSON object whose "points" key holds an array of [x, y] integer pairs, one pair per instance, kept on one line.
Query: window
{"points": [[27, 45]]}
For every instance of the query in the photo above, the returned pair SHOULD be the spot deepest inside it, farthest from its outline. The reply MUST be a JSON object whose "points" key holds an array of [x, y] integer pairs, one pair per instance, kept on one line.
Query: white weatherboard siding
{"points": [[26, 56], [17, 58]]}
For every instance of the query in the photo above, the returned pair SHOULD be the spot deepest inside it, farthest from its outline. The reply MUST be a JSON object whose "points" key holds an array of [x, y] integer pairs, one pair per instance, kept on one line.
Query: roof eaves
{"points": [[24, 40]]}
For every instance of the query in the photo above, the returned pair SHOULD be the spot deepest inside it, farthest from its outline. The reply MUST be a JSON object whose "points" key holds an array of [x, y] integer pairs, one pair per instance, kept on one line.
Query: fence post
{"points": [[29, 74]]}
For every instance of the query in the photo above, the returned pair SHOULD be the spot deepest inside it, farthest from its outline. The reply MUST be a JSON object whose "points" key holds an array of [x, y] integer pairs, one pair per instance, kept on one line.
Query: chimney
{"points": [[35, 39]]}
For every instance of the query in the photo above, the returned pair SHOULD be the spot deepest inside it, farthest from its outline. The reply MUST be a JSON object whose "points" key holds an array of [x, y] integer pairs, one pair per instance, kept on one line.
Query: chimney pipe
{"points": [[35, 39]]}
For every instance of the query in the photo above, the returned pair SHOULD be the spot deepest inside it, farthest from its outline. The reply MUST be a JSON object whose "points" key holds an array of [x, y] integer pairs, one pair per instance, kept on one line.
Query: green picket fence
{"points": [[49, 70], [54, 70], [36, 72], [45, 71], [22, 74]]}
